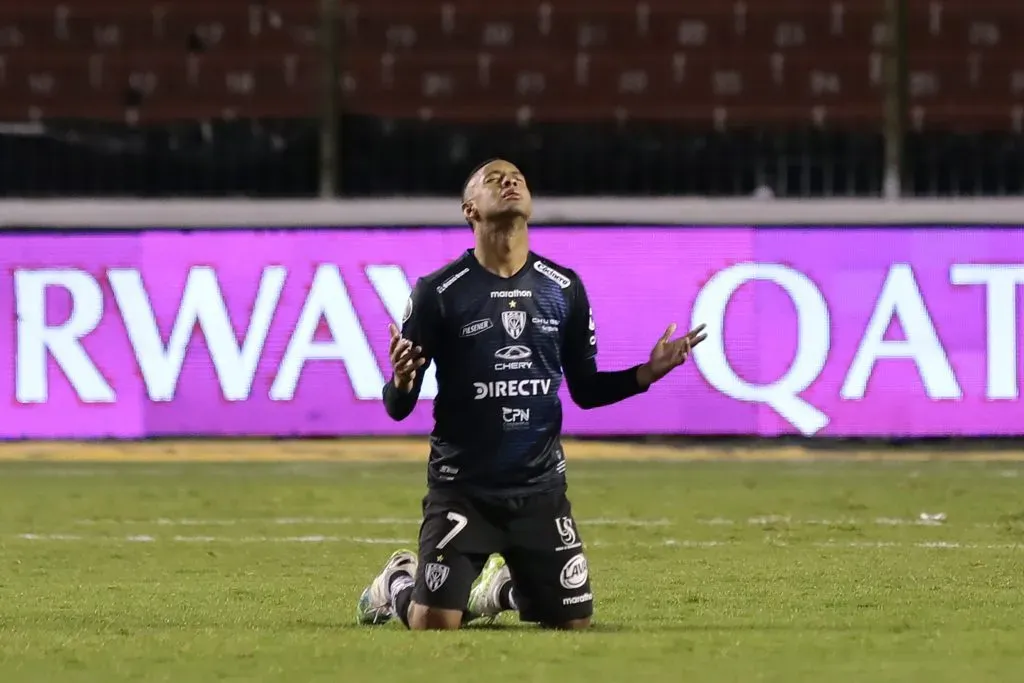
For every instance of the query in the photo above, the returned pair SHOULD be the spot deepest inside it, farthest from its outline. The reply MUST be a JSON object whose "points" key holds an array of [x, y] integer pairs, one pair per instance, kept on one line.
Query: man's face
{"points": [[497, 190]]}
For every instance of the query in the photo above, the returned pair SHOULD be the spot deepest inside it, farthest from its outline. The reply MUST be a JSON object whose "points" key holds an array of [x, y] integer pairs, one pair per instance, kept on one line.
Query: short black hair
{"points": [[476, 169]]}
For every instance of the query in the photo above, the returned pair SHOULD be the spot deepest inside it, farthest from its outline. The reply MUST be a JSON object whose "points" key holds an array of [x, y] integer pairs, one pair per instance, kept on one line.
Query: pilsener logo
{"points": [[503, 388]]}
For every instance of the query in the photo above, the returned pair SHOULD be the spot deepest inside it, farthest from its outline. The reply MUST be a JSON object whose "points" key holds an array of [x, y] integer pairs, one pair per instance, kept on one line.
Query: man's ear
{"points": [[468, 211]]}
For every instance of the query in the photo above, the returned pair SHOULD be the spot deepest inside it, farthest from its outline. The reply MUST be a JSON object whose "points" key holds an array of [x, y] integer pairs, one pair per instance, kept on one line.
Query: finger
{"points": [[401, 349], [393, 338], [409, 367], [698, 340], [697, 330], [683, 351], [410, 355], [668, 333], [404, 354]]}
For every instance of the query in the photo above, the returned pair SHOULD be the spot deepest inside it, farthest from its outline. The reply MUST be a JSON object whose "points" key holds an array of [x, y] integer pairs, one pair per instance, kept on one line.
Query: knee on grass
{"points": [[571, 625], [423, 618]]}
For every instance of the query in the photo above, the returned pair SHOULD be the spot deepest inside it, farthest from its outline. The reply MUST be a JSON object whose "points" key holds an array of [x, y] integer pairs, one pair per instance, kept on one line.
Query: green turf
{"points": [[818, 589]]}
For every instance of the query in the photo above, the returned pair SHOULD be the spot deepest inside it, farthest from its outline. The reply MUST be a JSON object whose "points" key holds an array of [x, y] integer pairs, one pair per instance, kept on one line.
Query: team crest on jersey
{"points": [[514, 323], [435, 575]]}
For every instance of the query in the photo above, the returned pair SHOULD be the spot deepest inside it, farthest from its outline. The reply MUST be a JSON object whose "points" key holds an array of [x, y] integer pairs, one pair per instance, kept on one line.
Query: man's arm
{"points": [[399, 404], [588, 386], [419, 325]]}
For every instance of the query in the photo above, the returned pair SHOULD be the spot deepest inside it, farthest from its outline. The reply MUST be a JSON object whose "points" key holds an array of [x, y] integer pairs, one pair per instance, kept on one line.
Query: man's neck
{"points": [[503, 250]]}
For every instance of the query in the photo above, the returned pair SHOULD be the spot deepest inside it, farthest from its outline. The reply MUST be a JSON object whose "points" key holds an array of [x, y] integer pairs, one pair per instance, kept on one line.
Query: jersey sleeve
{"points": [[580, 346], [421, 318], [421, 321], [588, 387]]}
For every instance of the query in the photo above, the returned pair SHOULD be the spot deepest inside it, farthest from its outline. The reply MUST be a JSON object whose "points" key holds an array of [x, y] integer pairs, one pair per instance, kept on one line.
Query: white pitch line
{"points": [[333, 521], [214, 539], [766, 520], [666, 543]]}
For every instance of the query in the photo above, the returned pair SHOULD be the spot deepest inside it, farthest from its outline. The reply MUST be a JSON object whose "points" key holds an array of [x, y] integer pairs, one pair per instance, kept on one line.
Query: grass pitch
{"points": [[712, 572]]}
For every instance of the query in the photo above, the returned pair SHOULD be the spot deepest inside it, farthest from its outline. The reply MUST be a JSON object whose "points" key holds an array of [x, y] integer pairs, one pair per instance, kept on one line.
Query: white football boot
{"points": [[374, 606]]}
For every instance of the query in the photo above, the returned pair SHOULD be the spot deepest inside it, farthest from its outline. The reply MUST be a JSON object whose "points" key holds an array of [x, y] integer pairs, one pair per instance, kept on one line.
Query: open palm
{"points": [[670, 353]]}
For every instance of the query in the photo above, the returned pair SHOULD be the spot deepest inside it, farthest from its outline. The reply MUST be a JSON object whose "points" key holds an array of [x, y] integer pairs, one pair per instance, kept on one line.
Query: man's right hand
{"points": [[406, 360]]}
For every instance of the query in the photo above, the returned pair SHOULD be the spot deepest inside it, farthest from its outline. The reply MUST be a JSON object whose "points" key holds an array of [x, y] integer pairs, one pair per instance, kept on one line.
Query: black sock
{"points": [[401, 595], [506, 599]]}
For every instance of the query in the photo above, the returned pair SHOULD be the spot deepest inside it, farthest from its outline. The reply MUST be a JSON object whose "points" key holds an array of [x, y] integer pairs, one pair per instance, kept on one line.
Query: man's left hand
{"points": [[669, 354]]}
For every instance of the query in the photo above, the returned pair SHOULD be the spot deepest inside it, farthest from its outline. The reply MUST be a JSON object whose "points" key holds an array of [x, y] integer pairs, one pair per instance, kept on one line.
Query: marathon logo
{"points": [[509, 388], [512, 294], [552, 274], [577, 599]]}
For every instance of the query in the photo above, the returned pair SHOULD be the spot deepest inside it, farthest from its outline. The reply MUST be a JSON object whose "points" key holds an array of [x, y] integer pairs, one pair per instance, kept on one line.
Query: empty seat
{"points": [[143, 26], [649, 85], [986, 85], [142, 77], [966, 27], [57, 84], [27, 28], [204, 29], [762, 28], [91, 28], [246, 82]]}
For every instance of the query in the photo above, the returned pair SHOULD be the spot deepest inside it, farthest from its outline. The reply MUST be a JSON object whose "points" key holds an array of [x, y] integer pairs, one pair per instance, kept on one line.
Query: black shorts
{"points": [[537, 536]]}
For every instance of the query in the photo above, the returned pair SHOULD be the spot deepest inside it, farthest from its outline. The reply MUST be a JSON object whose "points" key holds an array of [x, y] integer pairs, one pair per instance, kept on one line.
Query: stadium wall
{"points": [[260, 318]]}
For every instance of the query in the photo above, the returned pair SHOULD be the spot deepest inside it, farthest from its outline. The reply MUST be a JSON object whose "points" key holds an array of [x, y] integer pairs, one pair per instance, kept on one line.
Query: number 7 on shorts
{"points": [[460, 522]]}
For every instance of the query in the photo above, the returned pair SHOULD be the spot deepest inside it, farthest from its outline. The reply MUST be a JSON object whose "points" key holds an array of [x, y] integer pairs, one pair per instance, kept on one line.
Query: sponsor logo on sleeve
{"points": [[451, 281], [552, 274]]}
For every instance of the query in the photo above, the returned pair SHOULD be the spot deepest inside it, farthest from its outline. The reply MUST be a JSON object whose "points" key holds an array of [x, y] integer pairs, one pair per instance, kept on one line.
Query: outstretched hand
{"points": [[406, 359], [669, 353]]}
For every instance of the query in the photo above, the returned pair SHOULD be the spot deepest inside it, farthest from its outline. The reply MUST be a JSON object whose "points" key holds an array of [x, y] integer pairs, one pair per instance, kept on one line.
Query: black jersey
{"points": [[500, 347]]}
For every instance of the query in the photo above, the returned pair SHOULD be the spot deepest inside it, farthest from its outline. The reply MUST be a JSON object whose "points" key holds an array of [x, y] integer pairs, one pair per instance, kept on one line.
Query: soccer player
{"points": [[501, 324]]}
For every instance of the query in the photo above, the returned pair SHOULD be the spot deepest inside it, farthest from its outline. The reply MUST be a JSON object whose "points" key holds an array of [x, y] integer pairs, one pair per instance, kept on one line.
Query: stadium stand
{"points": [[624, 96]]}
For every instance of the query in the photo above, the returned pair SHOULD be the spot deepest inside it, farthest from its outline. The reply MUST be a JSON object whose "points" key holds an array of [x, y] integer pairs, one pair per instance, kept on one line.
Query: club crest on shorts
{"points": [[514, 322], [435, 575]]}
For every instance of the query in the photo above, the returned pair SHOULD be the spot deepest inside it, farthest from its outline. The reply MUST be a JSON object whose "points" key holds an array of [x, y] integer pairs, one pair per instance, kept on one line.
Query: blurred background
{"points": [[303, 98]]}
